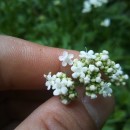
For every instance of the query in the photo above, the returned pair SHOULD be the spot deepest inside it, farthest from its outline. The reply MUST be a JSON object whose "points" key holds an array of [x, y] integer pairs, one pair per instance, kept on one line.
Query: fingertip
{"points": [[99, 108], [56, 116]]}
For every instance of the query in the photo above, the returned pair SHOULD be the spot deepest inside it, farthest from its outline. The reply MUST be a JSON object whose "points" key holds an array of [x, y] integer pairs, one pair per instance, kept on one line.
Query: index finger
{"points": [[22, 63]]}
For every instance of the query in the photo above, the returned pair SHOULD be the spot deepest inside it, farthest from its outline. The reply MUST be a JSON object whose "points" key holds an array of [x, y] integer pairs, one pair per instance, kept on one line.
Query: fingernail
{"points": [[99, 108]]}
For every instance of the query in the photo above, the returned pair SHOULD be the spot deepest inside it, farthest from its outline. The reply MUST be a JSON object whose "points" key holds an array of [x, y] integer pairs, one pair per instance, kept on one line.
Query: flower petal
{"points": [[56, 92], [75, 75], [84, 69], [71, 56], [64, 90], [61, 58], [74, 68]]}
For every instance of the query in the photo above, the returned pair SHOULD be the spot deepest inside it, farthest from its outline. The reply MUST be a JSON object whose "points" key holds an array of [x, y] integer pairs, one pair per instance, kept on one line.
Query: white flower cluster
{"points": [[62, 86], [88, 4], [106, 22], [94, 71]]}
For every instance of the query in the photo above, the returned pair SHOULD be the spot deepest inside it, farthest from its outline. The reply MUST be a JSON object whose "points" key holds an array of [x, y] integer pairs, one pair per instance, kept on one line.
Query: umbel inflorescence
{"points": [[95, 72]]}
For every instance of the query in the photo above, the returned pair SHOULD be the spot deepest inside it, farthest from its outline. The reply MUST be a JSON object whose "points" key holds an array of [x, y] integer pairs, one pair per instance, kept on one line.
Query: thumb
{"points": [[79, 115]]}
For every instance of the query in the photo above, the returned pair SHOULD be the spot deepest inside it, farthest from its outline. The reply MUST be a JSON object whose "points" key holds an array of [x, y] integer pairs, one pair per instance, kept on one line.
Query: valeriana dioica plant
{"points": [[96, 72]]}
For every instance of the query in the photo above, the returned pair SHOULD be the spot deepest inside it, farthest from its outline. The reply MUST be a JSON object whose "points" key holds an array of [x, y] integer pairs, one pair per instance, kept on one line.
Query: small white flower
{"points": [[67, 82], [59, 74], [59, 83], [106, 90], [119, 72], [114, 77], [123, 83], [59, 88], [96, 69], [96, 3], [109, 62], [64, 81], [91, 68], [117, 66], [92, 87], [66, 58], [82, 54], [104, 1], [93, 96], [70, 83], [90, 52], [106, 22], [99, 63], [105, 52], [87, 55], [93, 80], [110, 70], [104, 57], [117, 83], [50, 80], [71, 96], [78, 69], [57, 2], [86, 7], [65, 101], [126, 76], [98, 79], [87, 80]]}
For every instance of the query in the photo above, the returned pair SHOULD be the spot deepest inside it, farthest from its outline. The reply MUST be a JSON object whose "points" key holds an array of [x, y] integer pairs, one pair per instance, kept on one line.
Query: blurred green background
{"points": [[61, 23]]}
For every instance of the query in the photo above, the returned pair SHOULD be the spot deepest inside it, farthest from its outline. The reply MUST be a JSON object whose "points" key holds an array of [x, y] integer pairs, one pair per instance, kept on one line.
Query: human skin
{"points": [[24, 102]]}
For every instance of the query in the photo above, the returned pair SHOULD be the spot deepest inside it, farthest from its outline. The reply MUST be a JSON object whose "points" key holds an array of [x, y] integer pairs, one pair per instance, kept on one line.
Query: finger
{"points": [[99, 109], [22, 63], [55, 116]]}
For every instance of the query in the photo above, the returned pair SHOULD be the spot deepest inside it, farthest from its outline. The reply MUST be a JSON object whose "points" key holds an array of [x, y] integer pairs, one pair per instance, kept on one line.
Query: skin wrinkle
{"points": [[57, 121], [49, 118], [92, 124], [57, 112], [54, 117], [73, 118], [76, 122], [43, 124]]}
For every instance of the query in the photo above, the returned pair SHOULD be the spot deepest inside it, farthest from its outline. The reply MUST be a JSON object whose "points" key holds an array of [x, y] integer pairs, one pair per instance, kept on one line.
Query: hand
{"points": [[22, 65]]}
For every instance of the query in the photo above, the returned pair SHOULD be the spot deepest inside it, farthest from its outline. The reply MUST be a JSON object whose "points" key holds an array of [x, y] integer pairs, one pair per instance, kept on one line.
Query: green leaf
{"points": [[127, 125]]}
